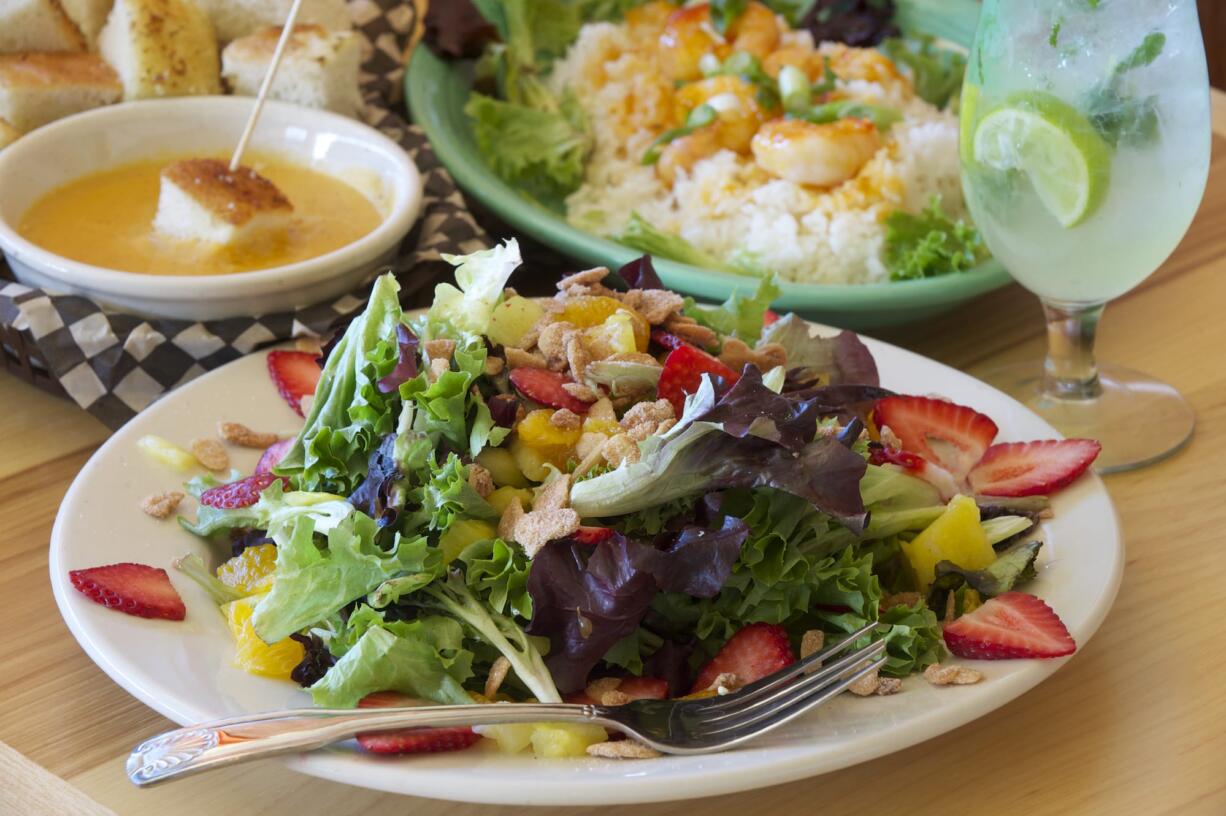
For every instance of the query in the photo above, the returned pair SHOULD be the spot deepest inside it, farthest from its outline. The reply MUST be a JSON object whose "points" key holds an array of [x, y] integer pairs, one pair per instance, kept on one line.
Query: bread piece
{"points": [[39, 88], [8, 134], [319, 68], [201, 199], [37, 25], [89, 15], [161, 48], [238, 18]]}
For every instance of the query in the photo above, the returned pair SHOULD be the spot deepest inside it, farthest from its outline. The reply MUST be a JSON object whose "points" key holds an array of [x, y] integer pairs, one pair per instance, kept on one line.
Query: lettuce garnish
{"points": [[350, 413], [314, 581], [537, 141], [740, 317], [930, 244], [423, 658], [481, 277]]}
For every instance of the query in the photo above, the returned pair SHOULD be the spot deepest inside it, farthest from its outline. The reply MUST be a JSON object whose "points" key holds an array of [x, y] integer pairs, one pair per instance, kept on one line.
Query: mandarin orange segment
{"points": [[536, 431], [253, 655], [251, 571]]}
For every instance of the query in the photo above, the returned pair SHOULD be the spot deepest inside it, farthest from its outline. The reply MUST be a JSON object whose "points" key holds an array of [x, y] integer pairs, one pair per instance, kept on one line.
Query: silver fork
{"points": [[697, 726]]}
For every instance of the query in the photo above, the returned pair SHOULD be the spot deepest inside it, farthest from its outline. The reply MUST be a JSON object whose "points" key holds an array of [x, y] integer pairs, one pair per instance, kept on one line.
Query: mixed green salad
{"points": [[506, 498]]}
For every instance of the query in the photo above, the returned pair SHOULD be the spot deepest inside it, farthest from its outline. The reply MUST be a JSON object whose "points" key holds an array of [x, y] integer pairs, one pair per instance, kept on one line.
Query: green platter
{"points": [[436, 93]]}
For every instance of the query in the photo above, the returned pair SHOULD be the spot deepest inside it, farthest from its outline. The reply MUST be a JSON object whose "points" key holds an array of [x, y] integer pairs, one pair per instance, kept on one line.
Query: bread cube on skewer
{"points": [[161, 48], [238, 18], [319, 68], [200, 199], [39, 88], [37, 25], [89, 15], [8, 134]]}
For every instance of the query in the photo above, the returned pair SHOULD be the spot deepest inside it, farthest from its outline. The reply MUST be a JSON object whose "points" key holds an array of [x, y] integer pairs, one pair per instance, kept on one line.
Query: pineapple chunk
{"points": [[606, 427], [501, 465], [530, 461], [565, 740], [511, 739], [616, 335], [462, 532], [502, 497], [539, 442], [512, 319], [955, 536], [165, 452], [595, 310]]}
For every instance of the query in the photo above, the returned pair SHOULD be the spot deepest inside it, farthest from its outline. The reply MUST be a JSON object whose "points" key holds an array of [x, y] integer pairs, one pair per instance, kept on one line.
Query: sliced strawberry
{"points": [[1032, 468], [275, 453], [1008, 626], [769, 317], [295, 374], [591, 535], [644, 688], [682, 374], [752, 653], [949, 435], [132, 588], [242, 493], [411, 740], [545, 387], [636, 688]]}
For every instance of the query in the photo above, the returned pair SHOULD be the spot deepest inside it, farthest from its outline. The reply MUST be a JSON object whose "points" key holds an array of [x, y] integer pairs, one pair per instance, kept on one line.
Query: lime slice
{"points": [[1044, 137]]}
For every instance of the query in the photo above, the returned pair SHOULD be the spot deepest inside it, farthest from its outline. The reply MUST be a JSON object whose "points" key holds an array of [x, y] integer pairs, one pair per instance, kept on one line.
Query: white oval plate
{"points": [[183, 670]]}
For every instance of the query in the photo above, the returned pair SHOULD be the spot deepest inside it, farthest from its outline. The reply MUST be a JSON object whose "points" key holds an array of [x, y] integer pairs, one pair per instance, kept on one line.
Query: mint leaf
{"points": [[1119, 116]]}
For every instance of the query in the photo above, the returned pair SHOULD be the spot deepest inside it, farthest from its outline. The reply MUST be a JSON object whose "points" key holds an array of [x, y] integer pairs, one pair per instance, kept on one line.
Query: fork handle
{"points": [[202, 747]]}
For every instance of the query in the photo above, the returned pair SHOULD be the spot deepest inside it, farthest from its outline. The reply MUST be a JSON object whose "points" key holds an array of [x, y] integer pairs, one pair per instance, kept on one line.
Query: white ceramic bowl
{"points": [[103, 138]]}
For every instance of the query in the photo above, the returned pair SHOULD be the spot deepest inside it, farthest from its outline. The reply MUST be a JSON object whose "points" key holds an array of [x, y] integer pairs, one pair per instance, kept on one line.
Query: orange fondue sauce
{"points": [[106, 219]]}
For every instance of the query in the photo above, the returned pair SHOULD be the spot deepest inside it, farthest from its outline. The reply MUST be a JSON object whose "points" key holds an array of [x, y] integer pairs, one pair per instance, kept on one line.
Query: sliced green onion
{"points": [[721, 103], [829, 78], [794, 89], [709, 64], [883, 118], [700, 117]]}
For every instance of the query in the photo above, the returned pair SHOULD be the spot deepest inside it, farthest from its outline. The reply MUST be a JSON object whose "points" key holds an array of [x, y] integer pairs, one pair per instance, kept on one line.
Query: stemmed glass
{"points": [[1085, 151]]}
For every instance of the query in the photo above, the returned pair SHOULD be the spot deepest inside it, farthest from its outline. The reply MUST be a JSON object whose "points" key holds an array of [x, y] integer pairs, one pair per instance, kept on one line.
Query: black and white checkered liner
{"points": [[114, 365]]}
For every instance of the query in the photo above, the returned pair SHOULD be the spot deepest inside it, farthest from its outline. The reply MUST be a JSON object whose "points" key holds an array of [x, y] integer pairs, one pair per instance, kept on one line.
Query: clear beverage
{"points": [[1085, 145]]}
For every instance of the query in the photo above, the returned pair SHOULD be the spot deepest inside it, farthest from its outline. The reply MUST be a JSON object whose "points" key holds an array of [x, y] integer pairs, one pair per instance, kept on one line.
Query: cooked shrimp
{"points": [[689, 35], [820, 155], [685, 152], [863, 63], [806, 59], [647, 21], [736, 102], [755, 31]]}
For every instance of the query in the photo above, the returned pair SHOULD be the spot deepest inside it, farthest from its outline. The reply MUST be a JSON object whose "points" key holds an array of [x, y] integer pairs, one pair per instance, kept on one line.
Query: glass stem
{"points": [[1070, 371]]}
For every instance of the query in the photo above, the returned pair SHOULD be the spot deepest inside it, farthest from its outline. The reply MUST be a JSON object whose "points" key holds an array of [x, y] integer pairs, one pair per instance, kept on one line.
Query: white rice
{"points": [[727, 206]]}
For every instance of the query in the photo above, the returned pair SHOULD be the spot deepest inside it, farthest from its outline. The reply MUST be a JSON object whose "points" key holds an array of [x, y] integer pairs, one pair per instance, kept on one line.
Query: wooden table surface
{"points": [[1135, 724]]}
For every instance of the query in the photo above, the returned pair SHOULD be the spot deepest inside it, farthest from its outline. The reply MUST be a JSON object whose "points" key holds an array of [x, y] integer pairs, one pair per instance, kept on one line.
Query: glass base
{"points": [[1138, 420]]}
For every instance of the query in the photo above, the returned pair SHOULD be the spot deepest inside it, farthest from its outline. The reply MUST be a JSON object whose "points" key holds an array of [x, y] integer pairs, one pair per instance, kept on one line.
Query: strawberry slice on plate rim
{"points": [[1011, 625], [948, 435], [1032, 468]]}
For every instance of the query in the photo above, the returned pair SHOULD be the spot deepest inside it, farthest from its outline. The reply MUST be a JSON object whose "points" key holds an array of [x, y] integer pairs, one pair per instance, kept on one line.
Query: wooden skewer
{"points": [[262, 96]]}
